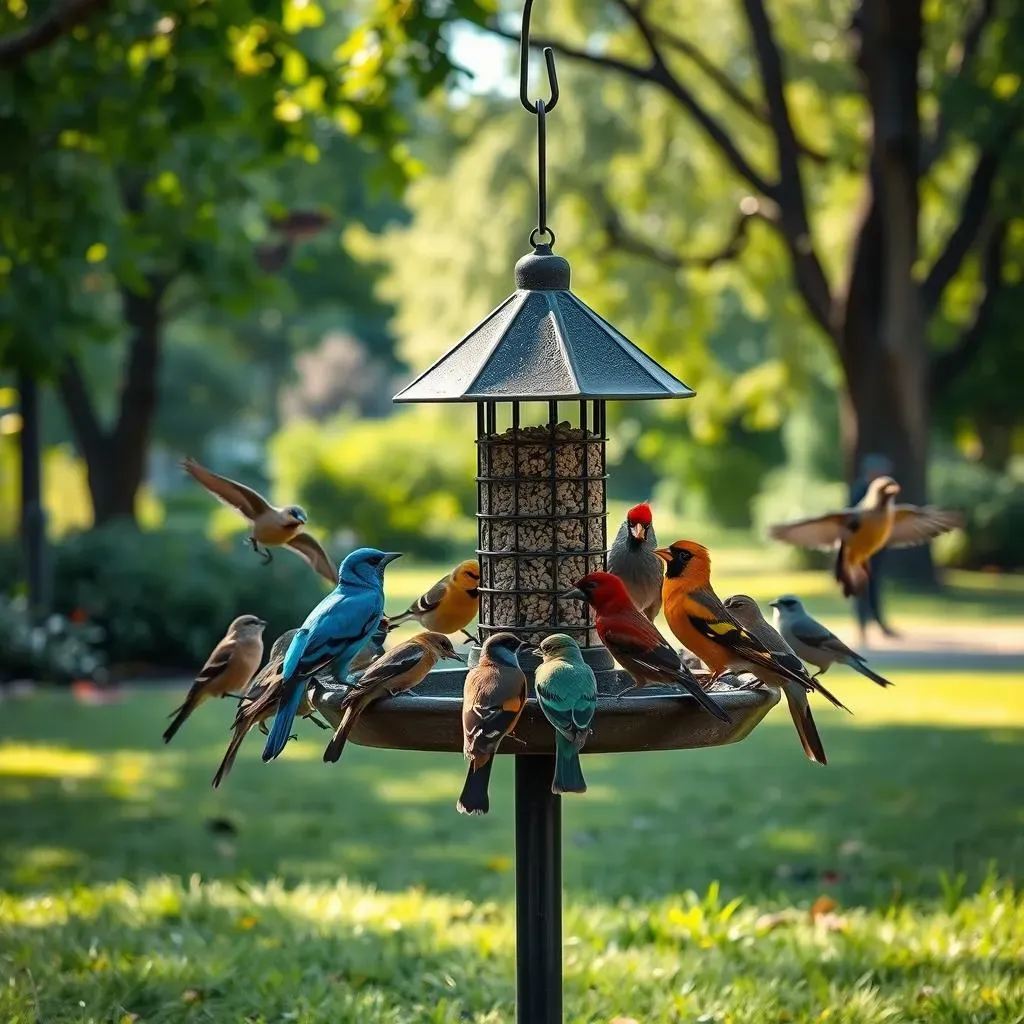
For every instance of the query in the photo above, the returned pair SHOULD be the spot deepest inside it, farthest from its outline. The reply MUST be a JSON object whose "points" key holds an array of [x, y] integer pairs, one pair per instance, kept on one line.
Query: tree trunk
{"points": [[116, 459]]}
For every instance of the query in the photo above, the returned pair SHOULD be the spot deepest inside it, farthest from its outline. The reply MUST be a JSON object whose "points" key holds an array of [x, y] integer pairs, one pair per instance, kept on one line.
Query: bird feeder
{"points": [[540, 370]]}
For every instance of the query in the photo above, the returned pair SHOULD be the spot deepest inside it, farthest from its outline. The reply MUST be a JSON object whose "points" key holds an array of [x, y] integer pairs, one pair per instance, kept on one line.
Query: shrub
{"points": [[790, 494], [165, 598], [56, 650]]}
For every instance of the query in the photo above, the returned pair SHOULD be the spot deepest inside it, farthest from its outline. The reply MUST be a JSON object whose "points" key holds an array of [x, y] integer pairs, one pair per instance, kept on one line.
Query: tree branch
{"points": [[972, 216], [64, 16], [947, 366], [657, 73], [933, 148], [622, 239]]}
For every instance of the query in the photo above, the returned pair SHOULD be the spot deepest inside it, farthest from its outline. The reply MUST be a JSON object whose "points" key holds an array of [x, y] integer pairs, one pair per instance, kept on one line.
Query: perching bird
{"points": [[333, 632], [858, 533], [450, 605], [701, 623], [634, 642], [748, 614], [397, 671], [271, 527], [815, 643], [267, 679], [492, 701], [372, 649], [632, 558], [228, 669], [567, 694]]}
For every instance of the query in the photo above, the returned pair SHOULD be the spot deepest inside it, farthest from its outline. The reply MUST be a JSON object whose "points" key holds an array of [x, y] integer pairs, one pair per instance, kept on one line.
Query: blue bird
{"points": [[334, 631]]}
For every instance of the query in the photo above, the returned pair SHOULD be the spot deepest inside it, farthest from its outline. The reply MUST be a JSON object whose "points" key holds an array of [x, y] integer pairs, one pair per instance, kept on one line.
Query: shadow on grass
{"points": [[898, 806]]}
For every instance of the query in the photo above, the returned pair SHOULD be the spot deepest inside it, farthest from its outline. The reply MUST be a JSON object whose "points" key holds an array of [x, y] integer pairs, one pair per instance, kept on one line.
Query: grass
{"points": [[131, 891]]}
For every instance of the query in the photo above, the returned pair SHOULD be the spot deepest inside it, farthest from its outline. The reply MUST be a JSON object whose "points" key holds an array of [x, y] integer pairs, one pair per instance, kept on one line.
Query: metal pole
{"points": [[33, 520], [538, 892]]}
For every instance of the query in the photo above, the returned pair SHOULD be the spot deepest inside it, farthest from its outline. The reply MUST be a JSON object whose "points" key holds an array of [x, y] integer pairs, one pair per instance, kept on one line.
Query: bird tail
{"points": [[568, 770], [230, 754], [192, 700], [286, 711], [829, 695], [707, 703], [861, 666], [396, 620], [850, 577], [352, 710], [474, 798], [800, 710]]}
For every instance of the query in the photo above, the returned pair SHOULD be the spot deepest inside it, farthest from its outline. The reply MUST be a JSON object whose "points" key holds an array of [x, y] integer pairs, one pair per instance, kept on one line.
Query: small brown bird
{"points": [[396, 671], [450, 605], [492, 701], [748, 614], [251, 711], [862, 531], [229, 668], [271, 526]]}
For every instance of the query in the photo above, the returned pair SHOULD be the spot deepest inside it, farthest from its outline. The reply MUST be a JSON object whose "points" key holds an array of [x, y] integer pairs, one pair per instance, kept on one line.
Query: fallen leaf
{"points": [[822, 905]]}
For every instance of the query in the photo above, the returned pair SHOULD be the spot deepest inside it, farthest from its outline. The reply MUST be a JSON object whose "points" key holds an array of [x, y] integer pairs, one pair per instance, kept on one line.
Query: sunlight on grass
{"points": [[48, 762]]}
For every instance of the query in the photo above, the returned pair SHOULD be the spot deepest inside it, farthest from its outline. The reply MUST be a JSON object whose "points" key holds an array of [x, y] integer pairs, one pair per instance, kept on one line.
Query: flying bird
{"points": [[267, 680], [271, 526], [228, 669], [397, 671], [333, 632], [748, 614], [633, 560], [634, 642], [858, 533], [450, 605], [566, 691], [703, 625], [815, 643], [492, 701]]}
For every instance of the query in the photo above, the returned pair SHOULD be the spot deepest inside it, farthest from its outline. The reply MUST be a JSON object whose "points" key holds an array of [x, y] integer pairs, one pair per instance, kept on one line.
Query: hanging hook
{"points": [[524, 67]]}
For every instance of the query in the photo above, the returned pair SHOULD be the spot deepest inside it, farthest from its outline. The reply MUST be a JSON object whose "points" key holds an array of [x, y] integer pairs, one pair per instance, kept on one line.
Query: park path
{"points": [[946, 645]]}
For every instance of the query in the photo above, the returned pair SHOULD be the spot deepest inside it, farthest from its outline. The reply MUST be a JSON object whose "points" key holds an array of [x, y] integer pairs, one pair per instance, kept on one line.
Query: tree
{"points": [[941, 88], [145, 177]]}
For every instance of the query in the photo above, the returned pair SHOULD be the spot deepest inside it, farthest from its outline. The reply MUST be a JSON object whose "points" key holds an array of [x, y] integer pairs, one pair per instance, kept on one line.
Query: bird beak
{"points": [[522, 644], [455, 656], [773, 604], [639, 531], [301, 517], [575, 594], [664, 554], [390, 556], [537, 652]]}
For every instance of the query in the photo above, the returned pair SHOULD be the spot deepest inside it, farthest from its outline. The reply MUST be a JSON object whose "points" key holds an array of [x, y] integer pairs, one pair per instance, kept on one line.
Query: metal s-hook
{"points": [[524, 68]]}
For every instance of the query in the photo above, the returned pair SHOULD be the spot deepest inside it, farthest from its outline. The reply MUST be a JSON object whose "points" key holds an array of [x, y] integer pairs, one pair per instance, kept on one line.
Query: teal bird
{"points": [[567, 694]]}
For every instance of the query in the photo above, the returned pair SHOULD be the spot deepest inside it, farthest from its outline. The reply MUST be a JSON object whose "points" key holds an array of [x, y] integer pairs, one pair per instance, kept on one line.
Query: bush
{"points": [[791, 494], [994, 506], [165, 598], [57, 650]]}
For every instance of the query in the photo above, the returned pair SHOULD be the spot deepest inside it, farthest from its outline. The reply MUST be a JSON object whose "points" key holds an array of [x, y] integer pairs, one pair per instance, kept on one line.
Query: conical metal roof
{"points": [[543, 343]]}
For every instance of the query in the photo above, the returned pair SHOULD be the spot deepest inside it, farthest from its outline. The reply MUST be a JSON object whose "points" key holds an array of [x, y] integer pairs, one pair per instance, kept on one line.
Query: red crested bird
{"points": [[633, 560], [634, 642]]}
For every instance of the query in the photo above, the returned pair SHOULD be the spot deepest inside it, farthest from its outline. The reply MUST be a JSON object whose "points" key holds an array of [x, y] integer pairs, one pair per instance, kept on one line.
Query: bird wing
{"points": [[217, 662], [247, 501], [392, 666], [485, 726], [916, 524], [646, 647], [823, 532], [566, 696], [308, 547], [337, 626], [431, 599]]}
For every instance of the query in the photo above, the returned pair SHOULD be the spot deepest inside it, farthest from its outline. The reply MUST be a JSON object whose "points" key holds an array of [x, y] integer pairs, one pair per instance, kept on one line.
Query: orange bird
{"points": [[703, 625], [859, 533], [634, 642]]}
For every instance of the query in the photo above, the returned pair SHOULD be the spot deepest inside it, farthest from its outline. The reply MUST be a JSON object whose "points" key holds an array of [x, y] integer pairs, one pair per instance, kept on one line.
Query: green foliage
{"points": [[405, 483], [165, 598], [994, 506], [56, 650]]}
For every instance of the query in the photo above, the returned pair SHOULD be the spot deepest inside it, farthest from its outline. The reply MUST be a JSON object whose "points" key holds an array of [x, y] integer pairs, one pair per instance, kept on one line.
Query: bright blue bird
{"points": [[334, 631]]}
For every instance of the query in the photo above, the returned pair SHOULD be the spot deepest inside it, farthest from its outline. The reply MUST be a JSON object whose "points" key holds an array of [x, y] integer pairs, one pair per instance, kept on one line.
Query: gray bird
{"points": [[745, 609], [632, 558], [815, 643]]}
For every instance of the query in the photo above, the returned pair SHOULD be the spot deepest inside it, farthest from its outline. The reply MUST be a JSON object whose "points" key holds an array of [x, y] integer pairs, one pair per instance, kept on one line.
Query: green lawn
{"points": [[131, 891]]}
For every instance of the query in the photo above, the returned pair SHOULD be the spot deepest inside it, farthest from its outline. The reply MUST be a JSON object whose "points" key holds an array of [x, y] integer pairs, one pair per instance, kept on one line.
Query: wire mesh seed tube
{"points": [[542, 518]]}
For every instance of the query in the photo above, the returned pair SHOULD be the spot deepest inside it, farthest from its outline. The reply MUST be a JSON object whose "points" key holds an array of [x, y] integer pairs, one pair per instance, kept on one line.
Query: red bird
{"points": [[634, 642]]}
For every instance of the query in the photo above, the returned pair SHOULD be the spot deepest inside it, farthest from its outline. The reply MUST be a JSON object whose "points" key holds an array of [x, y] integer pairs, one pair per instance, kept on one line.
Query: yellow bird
{"points": [[450, 605], [271, 527], [862, 531]]}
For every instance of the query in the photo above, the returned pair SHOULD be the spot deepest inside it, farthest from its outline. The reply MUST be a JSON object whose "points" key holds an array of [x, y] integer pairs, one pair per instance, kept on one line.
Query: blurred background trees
{"points": [[245, 223]]}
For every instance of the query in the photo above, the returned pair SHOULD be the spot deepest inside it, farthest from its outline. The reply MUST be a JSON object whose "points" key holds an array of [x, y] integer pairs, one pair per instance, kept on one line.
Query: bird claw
{"points": [[316, 721], [513, 736], [262, 726]]}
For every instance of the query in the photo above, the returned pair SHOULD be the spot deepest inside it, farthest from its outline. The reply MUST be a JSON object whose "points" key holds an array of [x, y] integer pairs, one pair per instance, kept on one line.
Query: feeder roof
{"points": [[543, 343]]}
